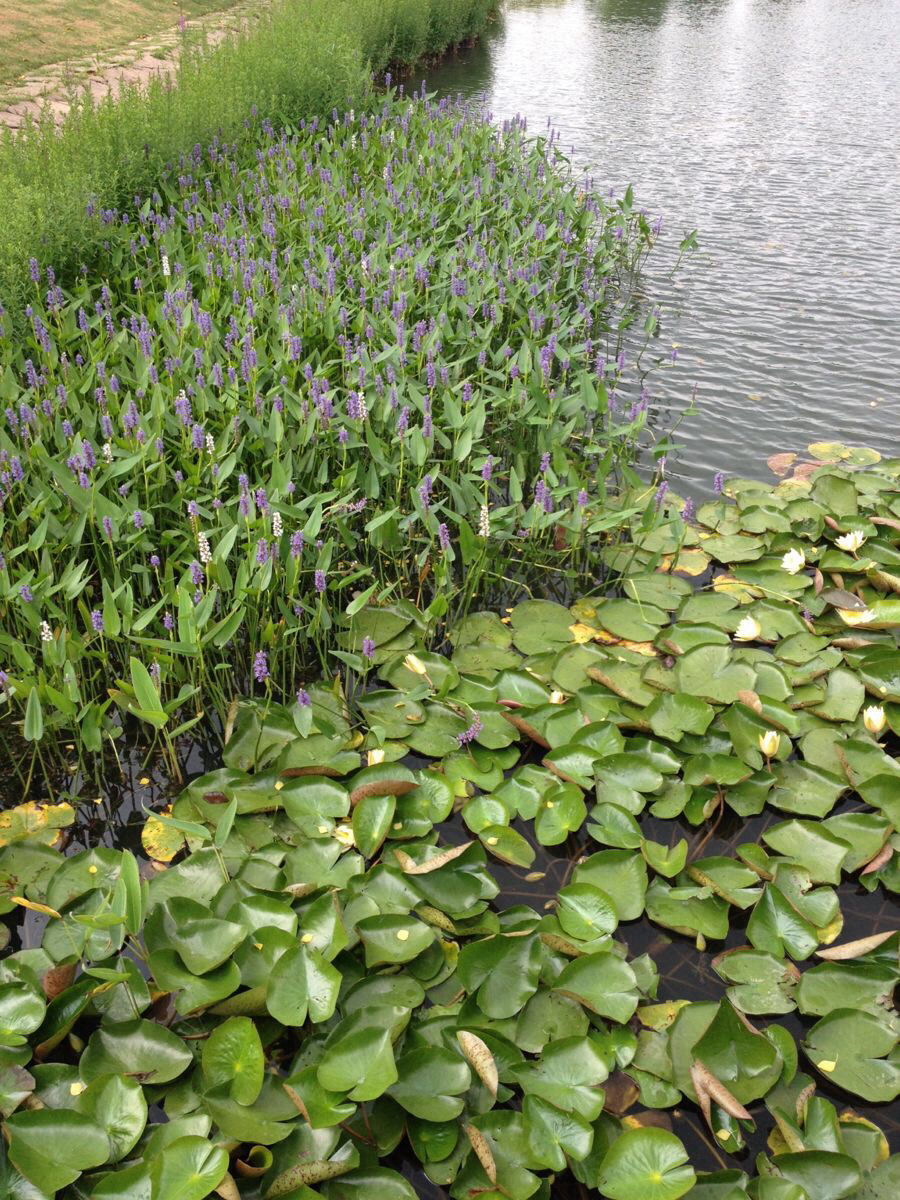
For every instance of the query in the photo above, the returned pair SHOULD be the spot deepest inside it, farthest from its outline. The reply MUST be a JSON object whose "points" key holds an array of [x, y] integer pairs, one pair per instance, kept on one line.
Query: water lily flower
{"points": [[343, 833], [415, 664], [748, 630], [855, 616], [874, 719], [375, 757], [793, 561], [769, 743], [851, 541]]}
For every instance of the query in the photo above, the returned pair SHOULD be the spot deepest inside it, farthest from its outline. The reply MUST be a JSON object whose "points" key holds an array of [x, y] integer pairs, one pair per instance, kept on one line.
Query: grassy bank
{"points": [[302, 59]]}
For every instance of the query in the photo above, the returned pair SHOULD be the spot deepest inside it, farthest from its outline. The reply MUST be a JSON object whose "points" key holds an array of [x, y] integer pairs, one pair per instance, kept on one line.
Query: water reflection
{"points": [[638, 12], [771, 128]]}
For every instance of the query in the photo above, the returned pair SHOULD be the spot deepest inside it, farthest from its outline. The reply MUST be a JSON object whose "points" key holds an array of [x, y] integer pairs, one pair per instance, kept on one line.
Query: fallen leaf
{"points": [[409, 866], [780, 464], [855, 949], [480, 1059]]}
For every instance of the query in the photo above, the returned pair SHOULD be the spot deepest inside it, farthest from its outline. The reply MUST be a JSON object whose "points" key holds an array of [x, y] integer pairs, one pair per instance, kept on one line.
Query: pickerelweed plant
{"points": [[380, 355], [311, 978]]}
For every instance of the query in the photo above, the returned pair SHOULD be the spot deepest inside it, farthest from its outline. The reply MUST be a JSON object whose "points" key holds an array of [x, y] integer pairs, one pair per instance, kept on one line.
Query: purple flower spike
{"points": [[303, 698], [719, 482], [320, 581], [368, 648], [260, 667], [97, 620], [470, 734]]}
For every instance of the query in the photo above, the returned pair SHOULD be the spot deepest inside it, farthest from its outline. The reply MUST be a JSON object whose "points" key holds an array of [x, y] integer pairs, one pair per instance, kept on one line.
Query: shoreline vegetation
{"points": [[103, 154], [375, 359]]}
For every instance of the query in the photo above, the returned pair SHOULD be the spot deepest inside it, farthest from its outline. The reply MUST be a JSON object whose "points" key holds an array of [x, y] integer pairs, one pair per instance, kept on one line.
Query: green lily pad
{"points": [[646, 1164], [856, 1050], [621, 874], [539, 625], [710, 674], [604, 983], [761, 982]]}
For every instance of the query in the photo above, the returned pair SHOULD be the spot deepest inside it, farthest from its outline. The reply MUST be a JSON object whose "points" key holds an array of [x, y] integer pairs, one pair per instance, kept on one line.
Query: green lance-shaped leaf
{"points": [[34, 718], [131, 883], [149, 705]]}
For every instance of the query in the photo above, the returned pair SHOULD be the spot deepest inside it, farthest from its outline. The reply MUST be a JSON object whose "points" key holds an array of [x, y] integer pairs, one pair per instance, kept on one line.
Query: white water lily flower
{"points": [[769, 743], [793, 561], [414, 664], [343, 833], [748, 630], [851, 541], [874, 719], [855, 616]]}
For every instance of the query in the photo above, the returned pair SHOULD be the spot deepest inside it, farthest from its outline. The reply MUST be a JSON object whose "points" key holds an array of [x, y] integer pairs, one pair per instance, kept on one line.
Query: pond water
{"points": [[770, 126]]}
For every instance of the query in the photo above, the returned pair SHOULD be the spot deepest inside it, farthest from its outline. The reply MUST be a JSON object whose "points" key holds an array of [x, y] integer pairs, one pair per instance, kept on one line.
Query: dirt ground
{"points": [[105, 52]]}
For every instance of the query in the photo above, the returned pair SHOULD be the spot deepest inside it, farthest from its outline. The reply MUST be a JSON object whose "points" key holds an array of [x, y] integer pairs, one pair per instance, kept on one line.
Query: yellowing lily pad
{"points": [[35, 822], [161, 842]]}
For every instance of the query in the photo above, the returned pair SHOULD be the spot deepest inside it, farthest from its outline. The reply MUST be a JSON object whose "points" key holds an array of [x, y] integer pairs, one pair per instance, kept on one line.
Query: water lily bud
{"points": [[414, 664], [793, 561], [769, 743], [375, 757], [851, 541], [748, 630], [557, 697], [874, 719]]}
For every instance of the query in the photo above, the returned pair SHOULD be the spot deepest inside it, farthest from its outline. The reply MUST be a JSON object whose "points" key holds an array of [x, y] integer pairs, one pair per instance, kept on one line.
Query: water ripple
{"points": [[772, 128]]}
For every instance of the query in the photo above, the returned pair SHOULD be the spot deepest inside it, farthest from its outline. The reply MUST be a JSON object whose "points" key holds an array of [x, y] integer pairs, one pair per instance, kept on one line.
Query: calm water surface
{"points": [[772, 127]]}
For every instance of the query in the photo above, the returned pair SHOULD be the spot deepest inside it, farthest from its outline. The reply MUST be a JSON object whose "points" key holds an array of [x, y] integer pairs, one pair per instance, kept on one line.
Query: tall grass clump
{"points": [[299, 60], [378, 356]]}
